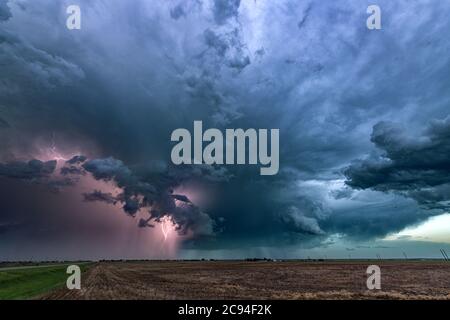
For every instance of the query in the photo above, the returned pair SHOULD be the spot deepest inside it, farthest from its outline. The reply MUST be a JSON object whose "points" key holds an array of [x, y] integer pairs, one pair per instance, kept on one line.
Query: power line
{"points": [[444, 254]]}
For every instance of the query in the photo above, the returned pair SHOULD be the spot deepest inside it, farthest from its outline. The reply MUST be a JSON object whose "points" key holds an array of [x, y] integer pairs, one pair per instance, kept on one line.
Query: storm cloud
{"points": [[224, 10], [32, 169], [152, 194], [98, 195], [414, 164], [5, 12], [363, 116]]}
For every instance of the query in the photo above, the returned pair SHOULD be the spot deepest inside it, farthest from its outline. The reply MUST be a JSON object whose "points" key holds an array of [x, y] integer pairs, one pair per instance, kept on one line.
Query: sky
{"points": [[86, 118]]}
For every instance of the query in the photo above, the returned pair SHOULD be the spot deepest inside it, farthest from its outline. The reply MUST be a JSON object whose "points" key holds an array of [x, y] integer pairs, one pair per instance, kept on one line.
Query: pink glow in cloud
{"points": [[162, 241], [79, 228]]}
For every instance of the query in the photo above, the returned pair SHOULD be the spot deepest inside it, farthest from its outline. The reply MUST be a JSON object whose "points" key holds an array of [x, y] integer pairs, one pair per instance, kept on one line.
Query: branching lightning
{"points": [[53, 150], [166, 225]]}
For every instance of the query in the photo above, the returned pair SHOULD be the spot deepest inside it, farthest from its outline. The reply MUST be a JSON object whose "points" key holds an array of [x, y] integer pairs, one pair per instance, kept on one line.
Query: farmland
{"points": [[25, 282], [259, 280]]}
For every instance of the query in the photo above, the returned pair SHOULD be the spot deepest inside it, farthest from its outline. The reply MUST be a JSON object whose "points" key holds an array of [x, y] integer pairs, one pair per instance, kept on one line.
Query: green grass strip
{"points": [[26, 283]]}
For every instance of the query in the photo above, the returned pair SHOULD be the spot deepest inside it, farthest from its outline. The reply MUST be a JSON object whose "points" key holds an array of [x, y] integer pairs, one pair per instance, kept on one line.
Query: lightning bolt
{"points": [[55, 154], [165, 232], [166, 227]]}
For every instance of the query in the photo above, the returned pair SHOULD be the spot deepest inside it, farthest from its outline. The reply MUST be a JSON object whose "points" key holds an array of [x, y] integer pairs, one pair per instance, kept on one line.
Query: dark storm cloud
{"points": [[111, 169], [32, 169], [40, 173], [374, 215], [73, 166], [416, 165], [229, 48], [177, 11], [145, 223], [301, 223], [76, 160], [154, 192], [98, 195], [25, 63], [212, 40], [225, 9], [202, 172], [108, 169], [181, 197], [71, 170], [344, 193], [5, 12], [137, 70]]}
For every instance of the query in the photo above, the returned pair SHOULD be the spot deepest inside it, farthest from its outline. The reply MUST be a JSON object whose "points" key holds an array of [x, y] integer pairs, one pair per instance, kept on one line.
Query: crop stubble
{"points": [[259, 280]]}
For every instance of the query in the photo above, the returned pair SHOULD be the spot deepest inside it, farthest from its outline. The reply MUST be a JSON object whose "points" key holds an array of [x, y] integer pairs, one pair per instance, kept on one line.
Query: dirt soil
{"points": [[260, 280]]}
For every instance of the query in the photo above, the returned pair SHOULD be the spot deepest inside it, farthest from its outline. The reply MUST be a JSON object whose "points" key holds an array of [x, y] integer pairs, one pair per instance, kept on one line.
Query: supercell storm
{"points": [[86, 118]]}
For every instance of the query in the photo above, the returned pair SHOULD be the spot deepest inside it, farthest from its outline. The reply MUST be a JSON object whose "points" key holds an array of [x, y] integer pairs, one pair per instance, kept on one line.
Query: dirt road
{"points": [[259, 280]]}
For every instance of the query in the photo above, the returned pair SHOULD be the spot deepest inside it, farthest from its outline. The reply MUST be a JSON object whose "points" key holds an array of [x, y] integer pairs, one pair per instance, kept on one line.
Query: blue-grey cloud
{"points": [[225, 9], [151, 192], [5, 12], [76, 160], [311, 69], [98, 195], [416, 165], [33, 169]]}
